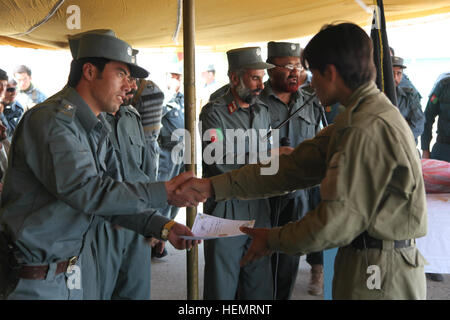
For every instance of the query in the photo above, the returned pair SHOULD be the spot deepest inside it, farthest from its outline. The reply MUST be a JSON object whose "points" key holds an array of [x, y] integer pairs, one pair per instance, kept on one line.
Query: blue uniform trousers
{"points": [[119, 263]]}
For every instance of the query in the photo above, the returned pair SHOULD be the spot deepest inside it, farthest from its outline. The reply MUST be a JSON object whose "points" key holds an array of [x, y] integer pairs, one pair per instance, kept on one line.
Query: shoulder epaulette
{"points": [[65, 111], [133, 110]]}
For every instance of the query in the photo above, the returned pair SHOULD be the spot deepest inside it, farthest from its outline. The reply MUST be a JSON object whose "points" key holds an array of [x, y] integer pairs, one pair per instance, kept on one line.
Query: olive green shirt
{"points": [[370, 176]]}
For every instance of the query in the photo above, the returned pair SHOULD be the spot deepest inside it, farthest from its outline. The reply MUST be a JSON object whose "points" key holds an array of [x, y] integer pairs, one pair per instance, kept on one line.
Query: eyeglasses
{"points": [[291, 67], [11, 89]]}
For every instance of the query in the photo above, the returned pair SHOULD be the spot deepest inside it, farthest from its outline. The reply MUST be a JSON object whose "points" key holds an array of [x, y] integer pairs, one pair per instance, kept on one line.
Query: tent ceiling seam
{"points": [[177, 28], [43, 21]]}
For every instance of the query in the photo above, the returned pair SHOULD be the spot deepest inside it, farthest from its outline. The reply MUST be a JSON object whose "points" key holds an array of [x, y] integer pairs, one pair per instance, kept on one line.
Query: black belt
{"points": [[364, 241], [443, 139]]}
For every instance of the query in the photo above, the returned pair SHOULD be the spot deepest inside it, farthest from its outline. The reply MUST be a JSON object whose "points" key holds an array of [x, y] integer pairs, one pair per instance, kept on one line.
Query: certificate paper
{"points": [[210, 227]]}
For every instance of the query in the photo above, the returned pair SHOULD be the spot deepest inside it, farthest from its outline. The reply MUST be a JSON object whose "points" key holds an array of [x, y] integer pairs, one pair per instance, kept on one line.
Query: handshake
{"points": [[185, 190]]}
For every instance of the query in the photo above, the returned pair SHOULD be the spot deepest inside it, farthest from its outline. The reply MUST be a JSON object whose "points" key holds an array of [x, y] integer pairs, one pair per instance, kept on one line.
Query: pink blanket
{"points": [[436, 175]]}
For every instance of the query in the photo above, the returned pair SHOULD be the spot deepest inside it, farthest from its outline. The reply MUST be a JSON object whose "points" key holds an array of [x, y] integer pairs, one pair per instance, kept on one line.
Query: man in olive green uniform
{"points": [[224, 279], [59, 179], [373, 198], [408, 101], [283, 96]]}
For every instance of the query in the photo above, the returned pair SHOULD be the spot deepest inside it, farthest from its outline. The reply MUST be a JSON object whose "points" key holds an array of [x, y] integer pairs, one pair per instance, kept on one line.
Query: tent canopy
{"points": [[220, 24]]}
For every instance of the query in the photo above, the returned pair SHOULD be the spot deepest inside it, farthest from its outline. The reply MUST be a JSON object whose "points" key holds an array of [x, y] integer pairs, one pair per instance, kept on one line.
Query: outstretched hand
{"points": [[196, 185], [259, 246], [178, 230], [189, 198]]}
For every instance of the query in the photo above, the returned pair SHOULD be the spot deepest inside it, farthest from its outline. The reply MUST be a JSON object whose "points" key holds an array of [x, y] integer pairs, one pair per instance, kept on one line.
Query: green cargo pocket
{"points": [[413, 257]]}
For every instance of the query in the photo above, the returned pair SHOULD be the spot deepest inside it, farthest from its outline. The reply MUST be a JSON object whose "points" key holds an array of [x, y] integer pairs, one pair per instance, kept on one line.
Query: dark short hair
{"points": [[3, 75], [76, 68], [347, 47], [22, 69]]}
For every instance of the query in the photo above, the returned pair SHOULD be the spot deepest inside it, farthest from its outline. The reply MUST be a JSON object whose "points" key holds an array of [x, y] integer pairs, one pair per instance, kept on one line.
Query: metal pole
{"points": [[189, 122]]}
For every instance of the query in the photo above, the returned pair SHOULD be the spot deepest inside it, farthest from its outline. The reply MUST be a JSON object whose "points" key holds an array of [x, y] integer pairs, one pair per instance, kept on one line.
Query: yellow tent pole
{"points": [[189, 122]]}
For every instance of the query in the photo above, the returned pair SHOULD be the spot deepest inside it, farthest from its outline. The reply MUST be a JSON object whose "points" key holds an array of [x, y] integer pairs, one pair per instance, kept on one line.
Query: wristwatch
{"points": [[166, 229]]}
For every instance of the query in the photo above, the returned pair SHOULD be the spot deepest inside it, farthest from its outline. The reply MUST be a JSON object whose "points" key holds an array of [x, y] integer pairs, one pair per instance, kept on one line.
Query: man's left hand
{"points": [[259, 246], [178, 230]]}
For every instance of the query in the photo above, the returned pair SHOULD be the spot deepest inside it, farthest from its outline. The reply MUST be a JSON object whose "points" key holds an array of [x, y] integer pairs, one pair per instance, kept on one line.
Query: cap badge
{"points": [[258, 52], [129, 51], [293, 47]]}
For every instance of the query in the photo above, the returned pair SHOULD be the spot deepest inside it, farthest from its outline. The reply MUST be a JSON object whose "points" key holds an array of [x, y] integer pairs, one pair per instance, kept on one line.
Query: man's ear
{"points": [[89, 71], [234, 78], [331, 72]]}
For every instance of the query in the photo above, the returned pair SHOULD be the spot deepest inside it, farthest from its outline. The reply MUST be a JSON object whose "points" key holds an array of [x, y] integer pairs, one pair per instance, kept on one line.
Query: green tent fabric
{"points": [[220, 24]]}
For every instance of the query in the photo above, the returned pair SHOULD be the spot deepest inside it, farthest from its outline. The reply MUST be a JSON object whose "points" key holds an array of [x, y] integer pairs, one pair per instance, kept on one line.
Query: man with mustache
{"points": [[224, 279], [124, 256], [408, 100], [60, 180], [121, 257], [283, 96]]}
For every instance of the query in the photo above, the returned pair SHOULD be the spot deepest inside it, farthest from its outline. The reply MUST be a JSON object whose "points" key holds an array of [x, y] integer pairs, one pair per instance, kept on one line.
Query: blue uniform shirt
{"points": [[57, 179], [10, 117], [438, 106], [408, 103]]}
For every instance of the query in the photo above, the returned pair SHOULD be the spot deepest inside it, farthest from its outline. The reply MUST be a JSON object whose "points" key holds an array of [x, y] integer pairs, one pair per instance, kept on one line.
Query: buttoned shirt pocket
{"points": [[67, 159], [136, 147], [308, 125], [329, 188]]}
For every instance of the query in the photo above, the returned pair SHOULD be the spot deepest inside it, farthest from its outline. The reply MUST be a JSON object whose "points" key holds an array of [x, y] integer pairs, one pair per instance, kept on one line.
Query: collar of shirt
{"points": [[29, 89], [268, 92], [360, 93], [14, 106], [84, 113], [358, 96], [400, 92]]}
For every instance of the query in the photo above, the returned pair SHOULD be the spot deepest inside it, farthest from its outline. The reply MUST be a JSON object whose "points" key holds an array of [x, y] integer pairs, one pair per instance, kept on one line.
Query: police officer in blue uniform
{"points": [[59, 180], [438, 106], [148, 101], [405, 82], [283, 96], [171, 144], [408, 101], [237, 109]]}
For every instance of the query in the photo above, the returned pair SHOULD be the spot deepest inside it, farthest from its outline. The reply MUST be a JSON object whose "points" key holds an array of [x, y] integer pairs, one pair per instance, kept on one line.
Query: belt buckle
{"points": [[72, 262]]}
